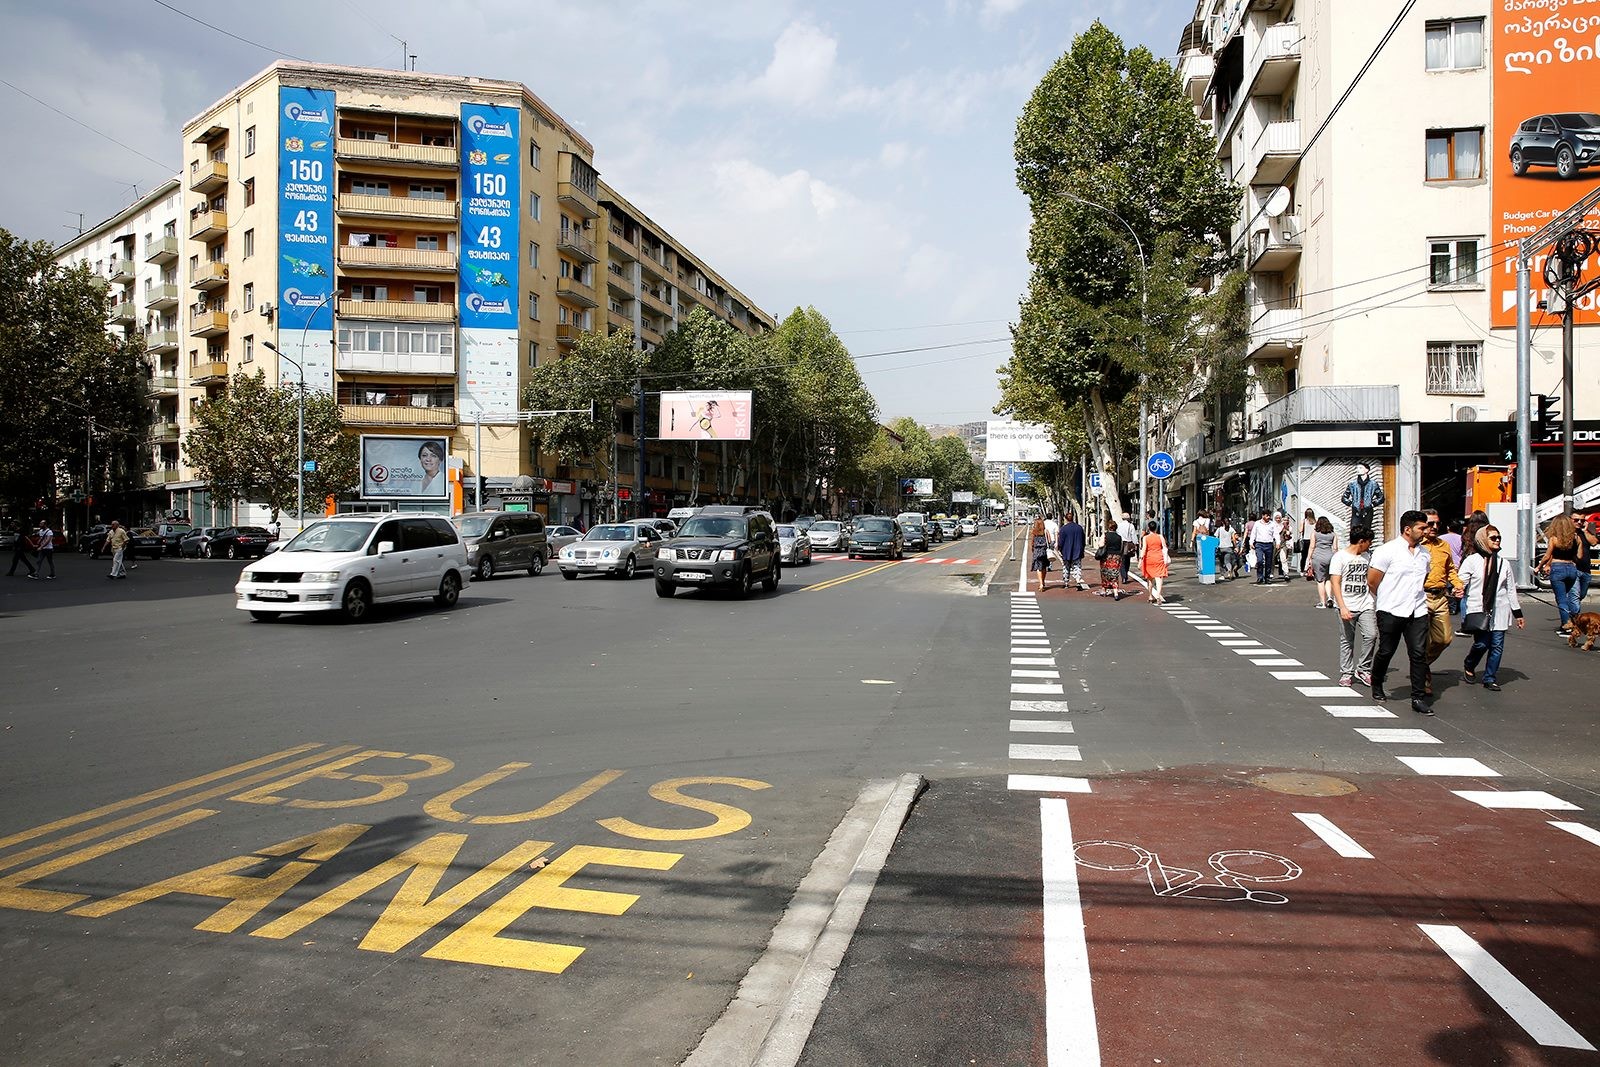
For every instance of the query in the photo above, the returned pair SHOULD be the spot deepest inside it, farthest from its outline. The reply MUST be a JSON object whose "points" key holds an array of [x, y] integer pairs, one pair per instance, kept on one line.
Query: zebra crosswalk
{"points": [[834, 557]]}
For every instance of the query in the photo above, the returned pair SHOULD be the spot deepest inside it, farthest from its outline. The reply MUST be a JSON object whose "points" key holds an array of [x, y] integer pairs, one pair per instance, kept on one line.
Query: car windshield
{"points": [[1577, 120], [911, 527], [180, 530], [612, 533], [476, 526], [877, 526], [710, 526], [331, 537], [826, 526], [788, 533], [254, 531], [563, 531], [144, 532]]}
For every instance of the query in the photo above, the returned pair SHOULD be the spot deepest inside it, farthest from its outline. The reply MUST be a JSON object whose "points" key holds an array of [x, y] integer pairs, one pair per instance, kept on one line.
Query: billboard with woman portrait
{"points": [[404, 468]]}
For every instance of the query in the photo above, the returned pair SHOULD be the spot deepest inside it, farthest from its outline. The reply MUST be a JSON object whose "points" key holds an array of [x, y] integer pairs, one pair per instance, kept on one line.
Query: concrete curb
{"points": [[770, 1018], [999, 564]]}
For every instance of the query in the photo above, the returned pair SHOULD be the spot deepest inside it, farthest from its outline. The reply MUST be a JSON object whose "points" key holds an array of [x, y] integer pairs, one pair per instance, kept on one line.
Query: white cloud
{"points": [[802, 66], [896, 154], [998, 9]]}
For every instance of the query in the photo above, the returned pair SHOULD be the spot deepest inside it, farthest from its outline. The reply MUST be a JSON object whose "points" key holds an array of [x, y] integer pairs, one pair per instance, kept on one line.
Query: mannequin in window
{"points": [[1362, 496]]}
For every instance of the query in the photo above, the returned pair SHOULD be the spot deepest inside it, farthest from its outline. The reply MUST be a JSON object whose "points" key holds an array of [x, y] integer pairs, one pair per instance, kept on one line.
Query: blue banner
{"points": [[491, 195], [306, 235]]}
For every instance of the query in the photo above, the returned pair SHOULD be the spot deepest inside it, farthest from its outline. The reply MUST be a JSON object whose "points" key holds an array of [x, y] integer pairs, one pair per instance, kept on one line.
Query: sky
{"points": [[854, 157]]}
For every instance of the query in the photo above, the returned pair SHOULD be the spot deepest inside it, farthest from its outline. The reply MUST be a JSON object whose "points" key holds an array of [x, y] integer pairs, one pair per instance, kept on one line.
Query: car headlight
{"points": [[566, 553], [609, 553], [320, 576], [727, 555], [667, 553], [246, 576]]}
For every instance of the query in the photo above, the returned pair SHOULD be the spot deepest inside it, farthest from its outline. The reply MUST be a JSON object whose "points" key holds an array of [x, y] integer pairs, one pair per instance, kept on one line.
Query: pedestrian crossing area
{"points": [[834, 557]]}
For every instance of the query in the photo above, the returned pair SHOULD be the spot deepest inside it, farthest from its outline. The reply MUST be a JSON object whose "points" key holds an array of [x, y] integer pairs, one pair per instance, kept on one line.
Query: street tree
{"points": [[599, 375], [831, 417], [245, 442]]}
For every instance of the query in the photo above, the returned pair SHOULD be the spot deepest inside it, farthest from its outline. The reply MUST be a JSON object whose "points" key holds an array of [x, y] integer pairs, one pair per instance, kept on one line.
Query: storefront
{"points": [[1323, 469]]}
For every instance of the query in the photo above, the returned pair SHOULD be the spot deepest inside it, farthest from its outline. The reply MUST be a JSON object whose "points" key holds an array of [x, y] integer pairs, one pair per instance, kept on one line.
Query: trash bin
{"points": [[1206, 559]]}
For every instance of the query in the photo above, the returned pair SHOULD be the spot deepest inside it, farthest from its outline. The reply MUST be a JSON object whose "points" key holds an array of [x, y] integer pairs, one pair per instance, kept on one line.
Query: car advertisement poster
{"points": [[1546, 151], [1019, 442], [491, 199], [305, 236], [705, 416], [404, 468], [916, 486]]}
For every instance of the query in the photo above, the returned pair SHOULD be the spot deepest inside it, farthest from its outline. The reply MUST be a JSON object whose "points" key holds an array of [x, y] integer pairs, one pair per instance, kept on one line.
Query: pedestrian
{"points": [[1039, 546], [117, 544], [46, 547], [1308, 533], [1323, 544], [1358, 614], [1560, 562], [1452, 537], [1396, 576], [1227, 557], [1069, 544], [1442, 588], [1264, 540], [19, 554], [1587, 543], [1491, 604], [1154, 560], [1201, 528], [1109, 556], [1130, 542]]}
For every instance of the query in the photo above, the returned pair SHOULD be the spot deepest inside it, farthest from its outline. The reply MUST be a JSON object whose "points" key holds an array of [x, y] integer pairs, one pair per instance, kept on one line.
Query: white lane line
{"points": [[1072, 1037], [1050, 752], [1335, 838], [1449, 766], [1047, 783], [1038, 705], [1030, 650], [1258, 652], [1531, 799], [1300, 676], [1240, 642], [1398, 737], [1503, 987], [1040, 726], [1030, 673], [1036, 687], [1358, 711], [1578, 829], [1326, 691], [1030, 631], [1276, 662], [1227, 633], [1033, 661]]}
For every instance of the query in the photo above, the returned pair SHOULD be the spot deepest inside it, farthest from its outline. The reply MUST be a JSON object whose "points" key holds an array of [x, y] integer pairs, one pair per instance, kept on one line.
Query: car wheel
{"points": [[263, 616], [629, 568], [1519, 163], [536, 564], [233, 552], [746, 581], [770, 582], [570, 576], [449, 591], [665, 589], [205, 551], [1566, 162], [485, 568], [357, 601]]}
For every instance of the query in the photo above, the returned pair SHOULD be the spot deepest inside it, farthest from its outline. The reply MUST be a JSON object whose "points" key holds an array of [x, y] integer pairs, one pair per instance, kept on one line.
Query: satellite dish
{"points": [[1279, 201]]}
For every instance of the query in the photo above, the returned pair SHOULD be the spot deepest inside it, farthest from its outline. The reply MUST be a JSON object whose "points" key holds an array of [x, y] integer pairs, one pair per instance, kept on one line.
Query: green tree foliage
{"points": [[601, 372], [833, 419], [244, 444], [61, 370]]}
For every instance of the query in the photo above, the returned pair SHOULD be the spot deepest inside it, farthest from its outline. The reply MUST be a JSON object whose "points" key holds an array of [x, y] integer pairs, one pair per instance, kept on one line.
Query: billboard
{"points": [[491, 197], [1546, 136], [916, 486], [1020, 442], [305, 235], [963, 497], [404, 468], [705, 416]]}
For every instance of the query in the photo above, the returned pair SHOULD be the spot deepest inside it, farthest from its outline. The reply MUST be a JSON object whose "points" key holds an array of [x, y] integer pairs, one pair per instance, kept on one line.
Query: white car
{"points": [[827, 535], [559, 537], [618, 548], [350, 562], [794, 546], [969, 527]]}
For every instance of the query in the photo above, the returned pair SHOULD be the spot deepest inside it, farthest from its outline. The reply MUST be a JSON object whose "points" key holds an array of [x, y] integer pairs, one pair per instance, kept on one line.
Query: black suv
{"points": [[877, 535], [727, 546], [1567, 141]]}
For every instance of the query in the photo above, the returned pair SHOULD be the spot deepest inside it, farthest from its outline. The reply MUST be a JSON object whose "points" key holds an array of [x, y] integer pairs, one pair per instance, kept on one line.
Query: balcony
{"points": [[207, 323], [657, 303], [163, 476], [208, 176], [650, 334], [619, 282], [1276, 334], [208, 371], [164, 250], [212, 274], [394, 152], [164, 432], [204, 225], [1195, 71], [654, 261], [419, 259], [395, 415], [1275, 62], [619, 319], [161, 341], [162, 385], [576, 244], [397, 207], [1276, 148], [161, 297], [620, 246], [1332, 403], [123, 313], [1276, 247], [577, 292], [397, 362], [121, 270], [568, 334], [577, 186], [397, 310]]}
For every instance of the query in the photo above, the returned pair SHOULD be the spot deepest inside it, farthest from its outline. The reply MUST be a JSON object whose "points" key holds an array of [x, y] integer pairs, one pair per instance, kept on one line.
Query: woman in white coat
{"points": [[1489, 604]]}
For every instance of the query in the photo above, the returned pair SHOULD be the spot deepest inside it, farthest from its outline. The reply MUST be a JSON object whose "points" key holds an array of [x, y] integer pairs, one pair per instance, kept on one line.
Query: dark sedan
{"points": [[915, 535], [144, 541], [876, 535], [239, 542]]}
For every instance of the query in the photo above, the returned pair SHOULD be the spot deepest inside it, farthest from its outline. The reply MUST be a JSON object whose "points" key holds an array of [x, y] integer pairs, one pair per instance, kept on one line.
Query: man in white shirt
{"points": [[1130, 544], [1396, 577], [1263, 541], [1358, 612]]}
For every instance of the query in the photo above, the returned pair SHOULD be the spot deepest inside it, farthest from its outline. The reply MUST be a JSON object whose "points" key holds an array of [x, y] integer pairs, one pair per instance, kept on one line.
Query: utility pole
{"points": [[638, 440], [1563, 273]]}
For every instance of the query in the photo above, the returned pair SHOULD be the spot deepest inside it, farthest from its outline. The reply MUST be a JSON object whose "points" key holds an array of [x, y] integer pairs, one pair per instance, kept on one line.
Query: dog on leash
{"points": [[1584, 624]]}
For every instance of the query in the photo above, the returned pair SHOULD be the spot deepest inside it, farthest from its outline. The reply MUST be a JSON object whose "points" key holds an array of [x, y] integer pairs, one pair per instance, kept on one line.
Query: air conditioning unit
{"points": [[1468, 413]]}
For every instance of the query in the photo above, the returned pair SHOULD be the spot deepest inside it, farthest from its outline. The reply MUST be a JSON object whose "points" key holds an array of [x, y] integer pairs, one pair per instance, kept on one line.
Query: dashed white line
{"points": [[1035, 687], [1578, 829], [1397, 737], [1335, 838], [1357, 711], [1047, 752], [1449, 766], [1326, 691], [1531, 799], [1503, 987], [1299, 676], [1072, 1037], [1030, 673], [1040, 726], [1033, 661], [1047, 783], [1038, 705]]}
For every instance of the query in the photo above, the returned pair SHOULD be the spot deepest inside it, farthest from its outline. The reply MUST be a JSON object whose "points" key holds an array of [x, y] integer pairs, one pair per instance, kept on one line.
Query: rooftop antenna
{"points": [[404, 48], [413, 61], [68, 225]]}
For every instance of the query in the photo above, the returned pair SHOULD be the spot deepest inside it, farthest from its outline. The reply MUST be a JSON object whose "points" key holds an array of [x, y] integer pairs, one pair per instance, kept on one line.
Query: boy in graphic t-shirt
{"points": [[1358, 611]]}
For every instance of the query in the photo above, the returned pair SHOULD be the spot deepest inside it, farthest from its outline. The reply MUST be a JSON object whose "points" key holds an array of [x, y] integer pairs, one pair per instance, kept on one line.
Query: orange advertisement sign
{"points": [[1546, 152]]}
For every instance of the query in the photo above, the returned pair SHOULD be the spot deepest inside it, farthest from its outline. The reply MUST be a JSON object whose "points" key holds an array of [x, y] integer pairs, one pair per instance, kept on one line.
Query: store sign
{"points": [[306, 235], [1381, 441], [1019, 442], [491, 200]]}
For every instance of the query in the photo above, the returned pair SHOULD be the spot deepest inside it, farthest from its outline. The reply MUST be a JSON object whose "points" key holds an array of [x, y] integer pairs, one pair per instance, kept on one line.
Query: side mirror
{"points": [[385, 547]]}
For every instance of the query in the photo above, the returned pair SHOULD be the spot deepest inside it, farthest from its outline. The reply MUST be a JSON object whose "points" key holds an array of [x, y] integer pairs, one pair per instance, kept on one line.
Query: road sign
{"points": [[1161, 466], [309, 466], [1096, 485], [1017, 477]]}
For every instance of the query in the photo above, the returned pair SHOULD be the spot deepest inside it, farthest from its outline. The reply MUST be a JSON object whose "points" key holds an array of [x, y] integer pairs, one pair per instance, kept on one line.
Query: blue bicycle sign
{"points": [[1162, 466]]}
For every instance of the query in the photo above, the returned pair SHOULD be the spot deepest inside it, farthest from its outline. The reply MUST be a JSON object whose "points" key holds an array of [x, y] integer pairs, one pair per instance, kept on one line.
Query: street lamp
{"points": [[300, 433]]}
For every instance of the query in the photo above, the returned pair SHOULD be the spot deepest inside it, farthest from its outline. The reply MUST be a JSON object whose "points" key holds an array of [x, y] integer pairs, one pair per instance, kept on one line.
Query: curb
{"points": [[770, 1018], [999, 563]]}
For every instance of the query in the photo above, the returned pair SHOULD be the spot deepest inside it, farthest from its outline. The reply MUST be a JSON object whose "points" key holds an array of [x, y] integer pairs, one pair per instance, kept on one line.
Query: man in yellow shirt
{"points": [[1443, 582], [117, 544]]}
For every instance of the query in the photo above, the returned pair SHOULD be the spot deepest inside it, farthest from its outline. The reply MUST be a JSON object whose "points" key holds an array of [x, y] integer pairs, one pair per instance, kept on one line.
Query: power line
{"points": [[225, 33], [930, 326], [167, 167]]}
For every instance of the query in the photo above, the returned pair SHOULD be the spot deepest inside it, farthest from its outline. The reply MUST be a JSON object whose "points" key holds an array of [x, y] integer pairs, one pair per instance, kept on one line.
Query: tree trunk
{"points": [[1097, 427]]}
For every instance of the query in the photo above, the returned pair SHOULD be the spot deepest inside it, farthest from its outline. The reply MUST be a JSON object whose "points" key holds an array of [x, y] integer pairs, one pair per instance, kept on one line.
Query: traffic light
{"points": [[1549, 413]]}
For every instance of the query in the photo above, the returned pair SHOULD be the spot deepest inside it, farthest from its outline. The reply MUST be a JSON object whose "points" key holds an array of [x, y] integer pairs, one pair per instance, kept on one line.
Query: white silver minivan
{"points": [[347, 563]]}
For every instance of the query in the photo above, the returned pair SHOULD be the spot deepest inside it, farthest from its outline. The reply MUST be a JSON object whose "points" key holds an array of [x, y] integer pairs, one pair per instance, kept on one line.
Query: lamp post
{"points": [[300, 432]]}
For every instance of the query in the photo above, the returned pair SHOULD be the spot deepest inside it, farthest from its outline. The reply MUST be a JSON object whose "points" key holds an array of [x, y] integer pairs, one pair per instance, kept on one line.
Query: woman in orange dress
{"points": [[1153, 561]]}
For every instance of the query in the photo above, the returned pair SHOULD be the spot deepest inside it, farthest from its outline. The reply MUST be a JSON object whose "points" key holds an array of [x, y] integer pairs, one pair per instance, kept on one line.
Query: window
{"points": [[411, 338], [371, 135], [1455, 44], [369, 187], [250, 141], [533, 254], [249, 191], [1455, 155], [1453, 263], [170, 229], [249, 243], [369, 292], [533, 205], [533, 306], [428, 241], [533, 154], [249, 296], [1455, 367], [249, 348], [428, 192], [425, 294]]}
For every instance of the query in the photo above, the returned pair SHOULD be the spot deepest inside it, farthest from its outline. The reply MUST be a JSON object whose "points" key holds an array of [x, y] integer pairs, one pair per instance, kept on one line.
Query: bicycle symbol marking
{"points": [[1161, 464], [1227, 881]]}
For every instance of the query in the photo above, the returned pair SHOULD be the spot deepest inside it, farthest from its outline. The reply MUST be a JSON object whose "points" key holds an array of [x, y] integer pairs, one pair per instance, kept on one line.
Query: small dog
{"points": [[1584, 624]]}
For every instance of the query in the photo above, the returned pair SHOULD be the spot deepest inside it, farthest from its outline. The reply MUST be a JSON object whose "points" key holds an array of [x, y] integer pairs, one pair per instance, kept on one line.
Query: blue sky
{"points": [[855, 157]]}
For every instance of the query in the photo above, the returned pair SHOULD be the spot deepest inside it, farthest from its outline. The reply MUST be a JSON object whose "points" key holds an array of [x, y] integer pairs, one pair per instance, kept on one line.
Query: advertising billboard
{"points": [[916, 486], [1546, 148], [305, 235], [1019, 442], [491, 198], [963, 497], [705, 416], [404, 468]]}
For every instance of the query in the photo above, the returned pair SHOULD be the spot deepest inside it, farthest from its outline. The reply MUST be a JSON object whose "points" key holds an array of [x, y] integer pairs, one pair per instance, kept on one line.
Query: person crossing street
{"points": [[1396, 577]]}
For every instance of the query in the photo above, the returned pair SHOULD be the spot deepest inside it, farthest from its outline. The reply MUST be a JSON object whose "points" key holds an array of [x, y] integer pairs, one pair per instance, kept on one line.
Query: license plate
{"points": [[587, 563], [272, 594], [691, 576]]}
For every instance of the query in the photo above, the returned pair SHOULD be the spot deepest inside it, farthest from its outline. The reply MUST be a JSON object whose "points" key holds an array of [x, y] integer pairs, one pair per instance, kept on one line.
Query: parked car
{"points": [[559, 537], [827, 535], [665, 527], [969, 527], [194, 543], [618, 549], [722, 549], [915, 535], [951, 529], [877, 535], [794, 546], [144, 541], [503, 540], [171, 533], [1567, 141], [351, 562], [805, 522], [239, 542]]}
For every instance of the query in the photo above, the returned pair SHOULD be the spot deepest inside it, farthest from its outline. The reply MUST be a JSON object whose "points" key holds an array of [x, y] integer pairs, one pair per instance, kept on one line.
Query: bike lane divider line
{"points": [[1072, 1035], [1578, 829], [1069, 753], [1041, 726], [1332, 836], [1505, 989], [1449, 766]]}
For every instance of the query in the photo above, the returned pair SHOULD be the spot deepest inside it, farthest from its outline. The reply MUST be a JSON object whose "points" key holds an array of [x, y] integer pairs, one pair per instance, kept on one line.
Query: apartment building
{"points": [[1379, 260], [137, 252]]}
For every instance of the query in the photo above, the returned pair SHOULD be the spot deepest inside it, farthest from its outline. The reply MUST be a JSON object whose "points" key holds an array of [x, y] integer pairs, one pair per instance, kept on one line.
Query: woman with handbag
{"points": [[1154, 560], [1039, 546], [1490, 601], [1109, 556]]}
